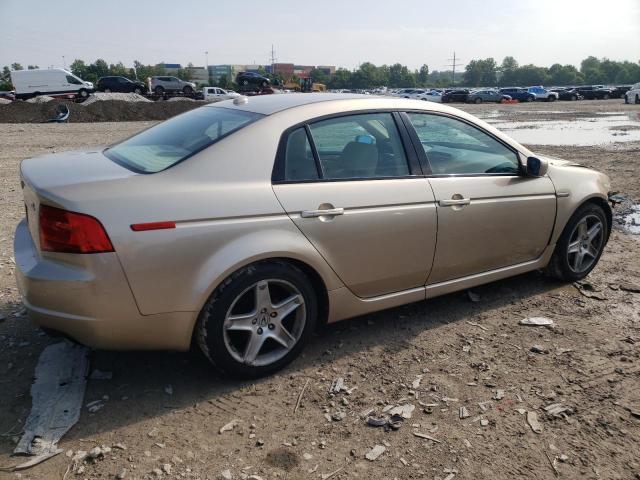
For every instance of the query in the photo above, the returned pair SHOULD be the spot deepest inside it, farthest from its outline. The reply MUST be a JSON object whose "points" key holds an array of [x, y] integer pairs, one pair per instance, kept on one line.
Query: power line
{"points": [[455, 63]]}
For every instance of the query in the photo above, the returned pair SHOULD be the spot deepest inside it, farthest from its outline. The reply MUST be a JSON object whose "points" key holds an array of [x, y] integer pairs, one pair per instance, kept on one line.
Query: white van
{"points": [[52, 81]]}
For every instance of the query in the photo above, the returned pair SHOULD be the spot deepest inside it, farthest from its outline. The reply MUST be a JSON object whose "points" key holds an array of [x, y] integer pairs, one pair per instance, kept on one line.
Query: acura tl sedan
{"points": [[242, 225]]}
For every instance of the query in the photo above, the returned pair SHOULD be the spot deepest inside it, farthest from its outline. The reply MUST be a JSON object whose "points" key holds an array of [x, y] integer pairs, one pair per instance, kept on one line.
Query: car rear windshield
{"points": [[170, 142]]}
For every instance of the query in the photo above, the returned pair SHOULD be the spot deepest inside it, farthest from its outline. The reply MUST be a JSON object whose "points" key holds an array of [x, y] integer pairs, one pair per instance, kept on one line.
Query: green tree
{"points": [[422, 76], [318, 76], [508, 71], [16, 66], [481, 73], [341, 79]]}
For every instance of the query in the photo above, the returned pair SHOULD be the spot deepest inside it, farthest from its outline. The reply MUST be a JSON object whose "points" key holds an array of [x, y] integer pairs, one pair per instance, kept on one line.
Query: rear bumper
{"points": [[87, 298]]}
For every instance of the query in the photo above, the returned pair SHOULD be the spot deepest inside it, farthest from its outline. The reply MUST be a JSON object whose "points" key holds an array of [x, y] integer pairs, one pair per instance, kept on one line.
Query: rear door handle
{"points": [[457, 201], [325, 212]]}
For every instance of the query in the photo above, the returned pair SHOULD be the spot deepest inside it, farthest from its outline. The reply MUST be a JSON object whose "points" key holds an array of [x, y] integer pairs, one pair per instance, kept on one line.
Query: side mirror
{"points": [[536, 167]]}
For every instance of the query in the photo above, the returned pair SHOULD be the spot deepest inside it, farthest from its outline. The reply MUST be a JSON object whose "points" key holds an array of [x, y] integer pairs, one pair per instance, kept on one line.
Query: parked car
{"points": [[595, 92], [542, 93], [50, 81], [455, 96], [520, 94], [619, 91], [205, 228], [633, 94], [251, 78], [120, 84], [163, 84], [11, 95], [404, 92], [567, 93], [216, 94], [488, 95], [430, 96]]}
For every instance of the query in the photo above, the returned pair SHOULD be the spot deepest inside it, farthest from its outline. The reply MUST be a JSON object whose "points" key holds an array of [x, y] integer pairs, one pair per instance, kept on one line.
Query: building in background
{"points": [[198, 75], [171, 68], [328, 70]]}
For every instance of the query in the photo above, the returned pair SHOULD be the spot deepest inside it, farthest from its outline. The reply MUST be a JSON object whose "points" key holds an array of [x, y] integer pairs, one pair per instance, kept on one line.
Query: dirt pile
{"points": [[96, 111], [104, 97]]}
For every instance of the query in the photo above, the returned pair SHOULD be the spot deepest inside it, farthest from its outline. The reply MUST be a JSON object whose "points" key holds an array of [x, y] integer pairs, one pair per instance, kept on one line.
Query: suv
{"points": [[161, 85], [593, 92], [120, 84], [542, 93], [246, 78], [520, 94], [633, 94]]}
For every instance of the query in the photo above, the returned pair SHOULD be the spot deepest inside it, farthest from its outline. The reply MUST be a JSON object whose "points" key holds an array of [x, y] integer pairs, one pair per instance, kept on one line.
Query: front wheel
{"points": [[137, 90], [82, 93], [258, 319], [581, 244], [637, 99], [159, 90], [606, 96], [478, 100], [187, 90], [551, 98], [107, 90]]}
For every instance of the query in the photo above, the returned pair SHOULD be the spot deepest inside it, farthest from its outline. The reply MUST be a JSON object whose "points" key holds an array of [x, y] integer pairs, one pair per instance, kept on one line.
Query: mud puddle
{"points": [[592, 131]]}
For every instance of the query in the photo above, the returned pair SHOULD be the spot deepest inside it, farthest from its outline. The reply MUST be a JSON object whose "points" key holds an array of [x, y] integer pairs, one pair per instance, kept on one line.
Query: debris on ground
{"points": [[123, 97], [590, 290], [57, 394], [375, 452], [405, 411], [630, 287], [40, 99], [229, 426], [426, 437], [463, 412], [538, 349], [532, 420], [536, 322], [558, 410]]}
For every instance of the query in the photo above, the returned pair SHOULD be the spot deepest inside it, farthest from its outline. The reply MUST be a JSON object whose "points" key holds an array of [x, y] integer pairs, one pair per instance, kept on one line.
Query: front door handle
{"points": [[323, 212], [454, 201]]}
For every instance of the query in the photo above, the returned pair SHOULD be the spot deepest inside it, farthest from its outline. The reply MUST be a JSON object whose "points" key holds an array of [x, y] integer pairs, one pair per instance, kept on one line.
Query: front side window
{"points": [[454, 147], [167, 143], [73, 80], [359, 146]]}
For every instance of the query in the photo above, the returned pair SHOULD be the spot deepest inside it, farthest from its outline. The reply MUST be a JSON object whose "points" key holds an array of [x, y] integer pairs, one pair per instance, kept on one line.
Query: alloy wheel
{"points": [[585, 243], [264, 322]]}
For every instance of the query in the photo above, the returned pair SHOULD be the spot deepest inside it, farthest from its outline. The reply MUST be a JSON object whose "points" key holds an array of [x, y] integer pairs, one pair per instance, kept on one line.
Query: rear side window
{"points": [[300, 164], [359, 146], [170, 142]]}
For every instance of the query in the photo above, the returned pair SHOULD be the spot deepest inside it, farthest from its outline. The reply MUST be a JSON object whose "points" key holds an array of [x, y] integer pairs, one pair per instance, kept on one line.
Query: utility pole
{"points": [[206, 56], [64, 63], [453, 64], [273, 55]]}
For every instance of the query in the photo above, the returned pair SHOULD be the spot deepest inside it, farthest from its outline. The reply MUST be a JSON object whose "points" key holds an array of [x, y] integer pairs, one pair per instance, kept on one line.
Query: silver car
{"points": [[244, 224], [165, 84], [487, 95]]}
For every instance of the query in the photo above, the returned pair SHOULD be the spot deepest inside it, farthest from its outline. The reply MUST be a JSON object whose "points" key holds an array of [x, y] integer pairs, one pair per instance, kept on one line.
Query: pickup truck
{"points": [[542, 93], [217, 94]]}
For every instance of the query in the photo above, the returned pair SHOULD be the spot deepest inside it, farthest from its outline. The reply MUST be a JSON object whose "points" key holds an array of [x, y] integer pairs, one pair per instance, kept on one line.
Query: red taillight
{"points": [[70, 232]]}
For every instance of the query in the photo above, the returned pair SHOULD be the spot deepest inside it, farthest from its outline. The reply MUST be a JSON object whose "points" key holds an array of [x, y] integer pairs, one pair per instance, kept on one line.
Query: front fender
{"points": [[575, 185]]}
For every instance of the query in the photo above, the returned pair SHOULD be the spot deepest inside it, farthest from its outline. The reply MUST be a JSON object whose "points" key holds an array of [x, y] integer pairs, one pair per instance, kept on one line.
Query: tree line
{"points": [[477, 73]]}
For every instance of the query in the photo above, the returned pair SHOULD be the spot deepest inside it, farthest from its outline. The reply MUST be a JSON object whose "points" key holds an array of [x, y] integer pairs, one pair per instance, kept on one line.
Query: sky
{"points": [[317, 32]]}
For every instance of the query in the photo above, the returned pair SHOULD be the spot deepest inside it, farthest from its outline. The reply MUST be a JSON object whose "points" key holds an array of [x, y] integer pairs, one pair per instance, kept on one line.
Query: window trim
{"points": [[416, 169], [422, 155]]}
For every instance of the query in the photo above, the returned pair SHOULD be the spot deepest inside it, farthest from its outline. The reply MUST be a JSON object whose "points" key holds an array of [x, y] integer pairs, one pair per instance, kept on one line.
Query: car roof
{"points": [[270, 104]]}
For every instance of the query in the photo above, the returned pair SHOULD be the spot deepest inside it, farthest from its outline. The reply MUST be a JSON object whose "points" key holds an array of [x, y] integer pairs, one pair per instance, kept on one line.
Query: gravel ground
{"points": [[167, 408]]}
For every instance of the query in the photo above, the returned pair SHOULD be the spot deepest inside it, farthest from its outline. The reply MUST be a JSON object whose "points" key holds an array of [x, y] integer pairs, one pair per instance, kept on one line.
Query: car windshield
{"points": [[170, 142]]}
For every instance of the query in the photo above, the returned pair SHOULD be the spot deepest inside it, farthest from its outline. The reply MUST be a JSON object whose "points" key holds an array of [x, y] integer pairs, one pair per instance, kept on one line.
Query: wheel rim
{"points": [[585, 243], [264, 322]]}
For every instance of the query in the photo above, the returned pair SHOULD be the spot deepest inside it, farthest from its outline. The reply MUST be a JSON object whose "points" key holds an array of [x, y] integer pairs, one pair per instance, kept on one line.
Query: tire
{"points": [[531, 99], [574, 98], [82, 93], [551, 98], [564, 265], [245, 82], [107, 90], [606, 96], [159, 90], [477, 100], [264, 84], [137, 90], [228, 349], [637, 101], [187, 90]]}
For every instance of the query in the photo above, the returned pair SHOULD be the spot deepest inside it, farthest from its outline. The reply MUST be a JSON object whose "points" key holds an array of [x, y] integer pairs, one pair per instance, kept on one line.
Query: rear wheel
{"points": [[637, 98], [551, 98], [107, 90], [82, 93], [137, 90], [530, 99], [159, 90], [606, 96], [264, 83], [581, 244], [574, 98], [478, 100], [258, 320]]}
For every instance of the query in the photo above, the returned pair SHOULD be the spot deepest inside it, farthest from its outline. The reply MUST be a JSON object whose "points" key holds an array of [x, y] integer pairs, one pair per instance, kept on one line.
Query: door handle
{"points": [[454, 201], [324, 212]]}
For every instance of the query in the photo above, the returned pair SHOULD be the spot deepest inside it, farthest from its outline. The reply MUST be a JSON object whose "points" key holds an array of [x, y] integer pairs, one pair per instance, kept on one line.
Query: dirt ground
{"points": [[167, 408]]}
